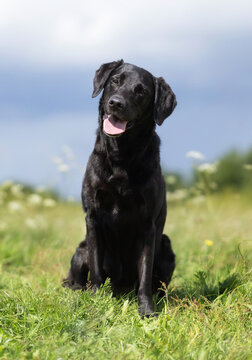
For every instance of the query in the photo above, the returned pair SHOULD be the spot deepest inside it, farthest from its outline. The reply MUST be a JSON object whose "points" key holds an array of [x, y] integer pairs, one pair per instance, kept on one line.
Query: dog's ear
{"points": [[102, 75], [165, 100]]}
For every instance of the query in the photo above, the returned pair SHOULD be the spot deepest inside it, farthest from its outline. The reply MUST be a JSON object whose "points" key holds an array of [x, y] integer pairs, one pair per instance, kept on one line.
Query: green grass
{"points": [[205, 313]]}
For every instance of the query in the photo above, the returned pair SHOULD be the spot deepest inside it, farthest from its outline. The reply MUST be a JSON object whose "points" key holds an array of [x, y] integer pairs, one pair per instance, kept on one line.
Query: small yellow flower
{"points": [[209, 242]]}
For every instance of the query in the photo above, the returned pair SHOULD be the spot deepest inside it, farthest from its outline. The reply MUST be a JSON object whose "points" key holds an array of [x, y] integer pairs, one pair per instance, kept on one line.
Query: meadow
{"points": [[204, 314]]}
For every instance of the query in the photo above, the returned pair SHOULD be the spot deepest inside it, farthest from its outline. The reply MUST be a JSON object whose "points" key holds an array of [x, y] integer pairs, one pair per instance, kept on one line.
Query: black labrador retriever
{"points": [[123, 191]]}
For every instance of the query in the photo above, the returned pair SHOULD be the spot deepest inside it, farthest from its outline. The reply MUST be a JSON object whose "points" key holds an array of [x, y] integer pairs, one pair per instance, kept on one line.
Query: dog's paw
{"points": [[72, 285], [146, 309]]}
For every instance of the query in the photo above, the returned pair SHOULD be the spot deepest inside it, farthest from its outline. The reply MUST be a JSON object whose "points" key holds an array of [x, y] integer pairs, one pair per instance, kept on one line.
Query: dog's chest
{"points": [[117, 199]]}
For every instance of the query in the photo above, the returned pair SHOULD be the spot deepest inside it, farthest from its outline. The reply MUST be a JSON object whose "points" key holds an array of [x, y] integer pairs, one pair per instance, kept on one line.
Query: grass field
{"points": [[205, 313]]}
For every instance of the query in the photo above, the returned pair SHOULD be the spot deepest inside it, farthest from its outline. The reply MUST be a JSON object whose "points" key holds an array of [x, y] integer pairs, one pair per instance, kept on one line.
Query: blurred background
{"points": [[49, 51]]}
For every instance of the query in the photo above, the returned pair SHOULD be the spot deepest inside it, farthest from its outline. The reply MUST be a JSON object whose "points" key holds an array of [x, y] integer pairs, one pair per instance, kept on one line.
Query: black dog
{"points": [[123, 190]]}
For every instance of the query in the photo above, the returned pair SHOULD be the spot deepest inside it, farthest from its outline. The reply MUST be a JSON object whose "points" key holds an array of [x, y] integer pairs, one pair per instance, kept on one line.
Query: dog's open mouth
{"points": [[113, 126]]}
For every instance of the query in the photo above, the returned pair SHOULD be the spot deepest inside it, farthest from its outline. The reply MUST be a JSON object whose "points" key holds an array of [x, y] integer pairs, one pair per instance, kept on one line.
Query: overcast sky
{"points": [[49, 51]]}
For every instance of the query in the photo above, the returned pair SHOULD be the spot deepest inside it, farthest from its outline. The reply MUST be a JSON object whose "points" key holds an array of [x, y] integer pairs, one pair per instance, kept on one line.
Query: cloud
{"points": [[53, 33]]}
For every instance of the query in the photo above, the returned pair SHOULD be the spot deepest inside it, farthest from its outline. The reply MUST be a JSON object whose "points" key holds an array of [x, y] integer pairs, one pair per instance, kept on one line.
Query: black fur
{"points": [[123, 190]]}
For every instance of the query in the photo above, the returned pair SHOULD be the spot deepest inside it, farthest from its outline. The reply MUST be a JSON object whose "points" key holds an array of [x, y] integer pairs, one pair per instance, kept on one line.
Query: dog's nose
{"points": [[116, 103]]}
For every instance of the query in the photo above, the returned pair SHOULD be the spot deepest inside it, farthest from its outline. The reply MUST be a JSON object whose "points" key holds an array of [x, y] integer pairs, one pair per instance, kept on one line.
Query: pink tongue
{"points": [[113, 126]]}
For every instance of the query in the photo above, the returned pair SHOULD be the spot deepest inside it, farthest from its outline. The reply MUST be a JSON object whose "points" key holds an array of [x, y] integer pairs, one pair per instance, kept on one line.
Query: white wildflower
{"points": [[14, 206], [177, 195], [34, 199], [195, 155], [49, 202], [208, 168], [180, 194], [198, 199], [63, 168]]}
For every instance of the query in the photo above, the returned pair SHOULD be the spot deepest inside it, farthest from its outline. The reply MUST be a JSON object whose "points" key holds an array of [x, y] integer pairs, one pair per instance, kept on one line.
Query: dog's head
{"points": [[131, 95]]}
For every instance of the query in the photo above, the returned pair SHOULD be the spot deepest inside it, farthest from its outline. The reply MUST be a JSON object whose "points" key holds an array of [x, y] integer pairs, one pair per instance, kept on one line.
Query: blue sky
{"points": [[49, 51]]}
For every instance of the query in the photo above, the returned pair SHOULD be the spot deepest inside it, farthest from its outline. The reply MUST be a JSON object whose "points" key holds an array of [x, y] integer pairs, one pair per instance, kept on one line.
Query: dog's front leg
{"points": [[145, 269], [95, 251]]}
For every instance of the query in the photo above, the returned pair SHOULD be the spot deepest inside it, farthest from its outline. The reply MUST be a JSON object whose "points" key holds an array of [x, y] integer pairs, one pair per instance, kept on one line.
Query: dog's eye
{"points": [[114, 80], [139, 90]]}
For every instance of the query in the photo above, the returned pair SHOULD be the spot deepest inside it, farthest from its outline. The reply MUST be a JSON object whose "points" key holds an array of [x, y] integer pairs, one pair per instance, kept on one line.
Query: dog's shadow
{"points": [[201, 290]]}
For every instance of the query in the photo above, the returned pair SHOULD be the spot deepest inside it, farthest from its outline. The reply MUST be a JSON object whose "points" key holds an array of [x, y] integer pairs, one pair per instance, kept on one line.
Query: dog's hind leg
{"points": [[78, 273], [165, 264]]}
